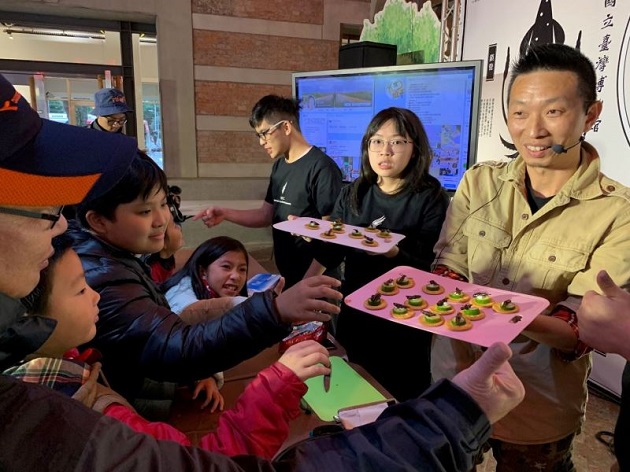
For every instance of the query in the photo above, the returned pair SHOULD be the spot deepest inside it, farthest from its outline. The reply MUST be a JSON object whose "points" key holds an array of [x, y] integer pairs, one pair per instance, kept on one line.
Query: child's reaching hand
{"points": [[307, 359], [213, 396]]}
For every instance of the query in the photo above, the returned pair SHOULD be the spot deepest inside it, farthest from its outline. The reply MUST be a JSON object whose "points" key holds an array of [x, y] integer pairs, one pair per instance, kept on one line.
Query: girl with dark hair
{"points": [[394, 191], [217, 268]]}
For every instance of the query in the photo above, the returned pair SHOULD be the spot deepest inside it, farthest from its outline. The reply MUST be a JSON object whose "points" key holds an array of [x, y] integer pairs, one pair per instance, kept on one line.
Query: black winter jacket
{"points": [[140, 336]]}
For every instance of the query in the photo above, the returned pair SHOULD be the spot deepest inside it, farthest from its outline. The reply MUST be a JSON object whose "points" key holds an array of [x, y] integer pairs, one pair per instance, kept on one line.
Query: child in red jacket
{"points": [[258, 424]]}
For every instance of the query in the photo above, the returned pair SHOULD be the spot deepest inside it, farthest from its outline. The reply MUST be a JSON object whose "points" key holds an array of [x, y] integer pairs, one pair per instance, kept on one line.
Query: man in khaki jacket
{"points": [[544, 224]]}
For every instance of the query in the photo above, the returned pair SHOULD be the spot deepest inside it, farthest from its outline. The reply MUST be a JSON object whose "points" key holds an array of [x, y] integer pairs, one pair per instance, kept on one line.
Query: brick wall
{"points": [[259, 51], [300, 11], [245, 49]]}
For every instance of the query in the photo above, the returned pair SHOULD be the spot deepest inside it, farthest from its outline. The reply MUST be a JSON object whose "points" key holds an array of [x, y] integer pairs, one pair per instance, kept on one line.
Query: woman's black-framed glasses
{"points": [[54, 217], [397, 145]]}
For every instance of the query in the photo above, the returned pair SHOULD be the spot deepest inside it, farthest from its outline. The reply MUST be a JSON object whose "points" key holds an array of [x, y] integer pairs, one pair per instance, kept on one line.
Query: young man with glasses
{"points": [[304, 182], [44, 165], [110, 108]]}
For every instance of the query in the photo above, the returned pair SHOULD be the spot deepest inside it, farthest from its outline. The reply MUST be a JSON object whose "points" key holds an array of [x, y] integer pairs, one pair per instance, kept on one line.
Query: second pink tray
{"points": [[494, 327], [298, 226]]}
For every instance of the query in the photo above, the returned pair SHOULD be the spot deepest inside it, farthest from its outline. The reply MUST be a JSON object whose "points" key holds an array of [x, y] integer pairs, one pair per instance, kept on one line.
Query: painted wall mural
{"points": [[400, 23], [599, 28]]}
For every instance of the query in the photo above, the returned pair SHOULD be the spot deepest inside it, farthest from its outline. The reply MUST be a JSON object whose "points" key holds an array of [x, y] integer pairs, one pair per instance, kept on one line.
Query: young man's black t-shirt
{"points": [[307, 187]]}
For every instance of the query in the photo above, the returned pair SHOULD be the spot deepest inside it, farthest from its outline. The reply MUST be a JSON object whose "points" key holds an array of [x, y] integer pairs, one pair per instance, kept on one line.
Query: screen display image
{"points": [[338, 105]]}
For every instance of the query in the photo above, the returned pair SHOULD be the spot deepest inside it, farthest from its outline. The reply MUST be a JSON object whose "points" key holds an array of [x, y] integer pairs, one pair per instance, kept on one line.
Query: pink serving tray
{"points": [[298, 226], [494, 327]]}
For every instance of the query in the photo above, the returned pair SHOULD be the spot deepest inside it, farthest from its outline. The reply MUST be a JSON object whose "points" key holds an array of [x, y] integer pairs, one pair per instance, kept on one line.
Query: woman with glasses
{"points": [[393, 191]]}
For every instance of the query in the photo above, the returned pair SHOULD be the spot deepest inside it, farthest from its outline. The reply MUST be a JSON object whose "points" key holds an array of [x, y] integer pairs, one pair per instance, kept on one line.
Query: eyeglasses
{"points": [[397, 145], [264, 134], [31, 214], [116, 122]]}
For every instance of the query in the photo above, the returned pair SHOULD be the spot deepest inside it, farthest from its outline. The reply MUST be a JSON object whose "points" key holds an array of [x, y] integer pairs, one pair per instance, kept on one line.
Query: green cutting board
{"points": [[347, 389]]}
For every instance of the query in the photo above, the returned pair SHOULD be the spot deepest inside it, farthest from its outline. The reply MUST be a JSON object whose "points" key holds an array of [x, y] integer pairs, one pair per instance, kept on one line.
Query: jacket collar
{"points": [[583, 184], [88, 242]]}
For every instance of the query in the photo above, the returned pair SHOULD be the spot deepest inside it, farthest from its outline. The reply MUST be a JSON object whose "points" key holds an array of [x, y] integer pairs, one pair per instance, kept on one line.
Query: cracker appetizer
{"points": [[405, 282], [367, 241], [388, 288], [506, 307], [481, 299], [402, 312], [416, 302], [459, 323], [431, 320], [356, 234], [433, 288], [472, 313], [442, 307], [375, 302], [458, 296]]}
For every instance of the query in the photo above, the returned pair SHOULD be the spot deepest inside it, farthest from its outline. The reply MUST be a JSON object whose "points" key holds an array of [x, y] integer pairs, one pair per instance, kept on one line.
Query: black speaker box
{"points": [[367, 54]]}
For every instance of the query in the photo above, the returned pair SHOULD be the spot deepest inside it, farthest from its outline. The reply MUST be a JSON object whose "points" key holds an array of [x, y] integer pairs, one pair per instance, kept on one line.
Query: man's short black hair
{"points": [[558, 57], [274, 108], [141, 179]]}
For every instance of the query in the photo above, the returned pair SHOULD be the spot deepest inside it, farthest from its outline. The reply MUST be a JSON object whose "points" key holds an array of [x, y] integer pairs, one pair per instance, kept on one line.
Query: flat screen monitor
{"points": [[337, 106]]}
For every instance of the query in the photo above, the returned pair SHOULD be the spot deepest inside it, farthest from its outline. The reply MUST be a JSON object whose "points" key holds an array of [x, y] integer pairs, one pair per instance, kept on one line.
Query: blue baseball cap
{"points": [[109, 101], [43, 163]]}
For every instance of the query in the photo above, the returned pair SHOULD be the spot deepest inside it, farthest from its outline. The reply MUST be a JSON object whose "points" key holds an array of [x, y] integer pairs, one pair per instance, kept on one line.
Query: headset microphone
{"points": [[560, 149]]}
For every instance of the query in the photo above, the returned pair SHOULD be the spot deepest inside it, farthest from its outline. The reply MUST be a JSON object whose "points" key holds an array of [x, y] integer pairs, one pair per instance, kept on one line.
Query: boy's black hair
{"points": [[36, 301], [141, 179], [559, 57], [274, 108], [416, 175], [205, 254]]}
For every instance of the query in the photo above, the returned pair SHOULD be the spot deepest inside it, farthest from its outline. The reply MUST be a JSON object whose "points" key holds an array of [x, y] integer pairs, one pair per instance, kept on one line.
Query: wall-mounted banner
{"points": [[491, 63], [599, 28]]}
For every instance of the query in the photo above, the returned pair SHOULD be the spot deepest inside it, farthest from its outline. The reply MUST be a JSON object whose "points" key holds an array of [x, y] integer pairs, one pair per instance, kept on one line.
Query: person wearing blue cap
{"points": [[110, 108], [44, 165]]}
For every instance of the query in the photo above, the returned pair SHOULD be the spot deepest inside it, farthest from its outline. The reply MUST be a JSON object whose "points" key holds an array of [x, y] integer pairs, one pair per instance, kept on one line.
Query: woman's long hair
{"points": [[205, 254], [416, 175]]}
